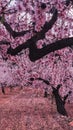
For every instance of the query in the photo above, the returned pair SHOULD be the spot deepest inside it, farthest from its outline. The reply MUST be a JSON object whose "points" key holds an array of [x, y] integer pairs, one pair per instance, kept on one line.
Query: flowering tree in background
{"points": [[36, 39]]}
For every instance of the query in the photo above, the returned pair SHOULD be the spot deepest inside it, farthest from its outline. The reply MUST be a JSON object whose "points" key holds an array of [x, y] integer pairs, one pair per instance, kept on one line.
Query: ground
{"points": [[27, 109]]}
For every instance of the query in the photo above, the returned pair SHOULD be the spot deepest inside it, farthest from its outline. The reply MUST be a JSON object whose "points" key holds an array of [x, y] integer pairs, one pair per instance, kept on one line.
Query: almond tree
{"points": [[60, 103], [38, 32]]}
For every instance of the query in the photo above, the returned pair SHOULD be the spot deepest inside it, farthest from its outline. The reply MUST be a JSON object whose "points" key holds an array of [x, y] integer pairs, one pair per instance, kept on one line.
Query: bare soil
{"points": [[27, 109]]}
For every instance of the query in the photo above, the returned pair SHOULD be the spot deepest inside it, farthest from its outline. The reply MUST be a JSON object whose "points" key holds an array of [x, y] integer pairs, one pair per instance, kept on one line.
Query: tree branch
{"points": [[59, 103], [47, 26], [39, 35], [66, 96], [31, 43], [35, 53], [14, 34], [4, 42]]}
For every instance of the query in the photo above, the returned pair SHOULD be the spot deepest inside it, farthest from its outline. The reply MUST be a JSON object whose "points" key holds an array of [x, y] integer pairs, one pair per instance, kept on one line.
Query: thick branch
{"points": [[31, 43], [14, 34], [18, 49], [4, 42], [39, 35], [59, 103], [46, 27], [35, 53]]}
